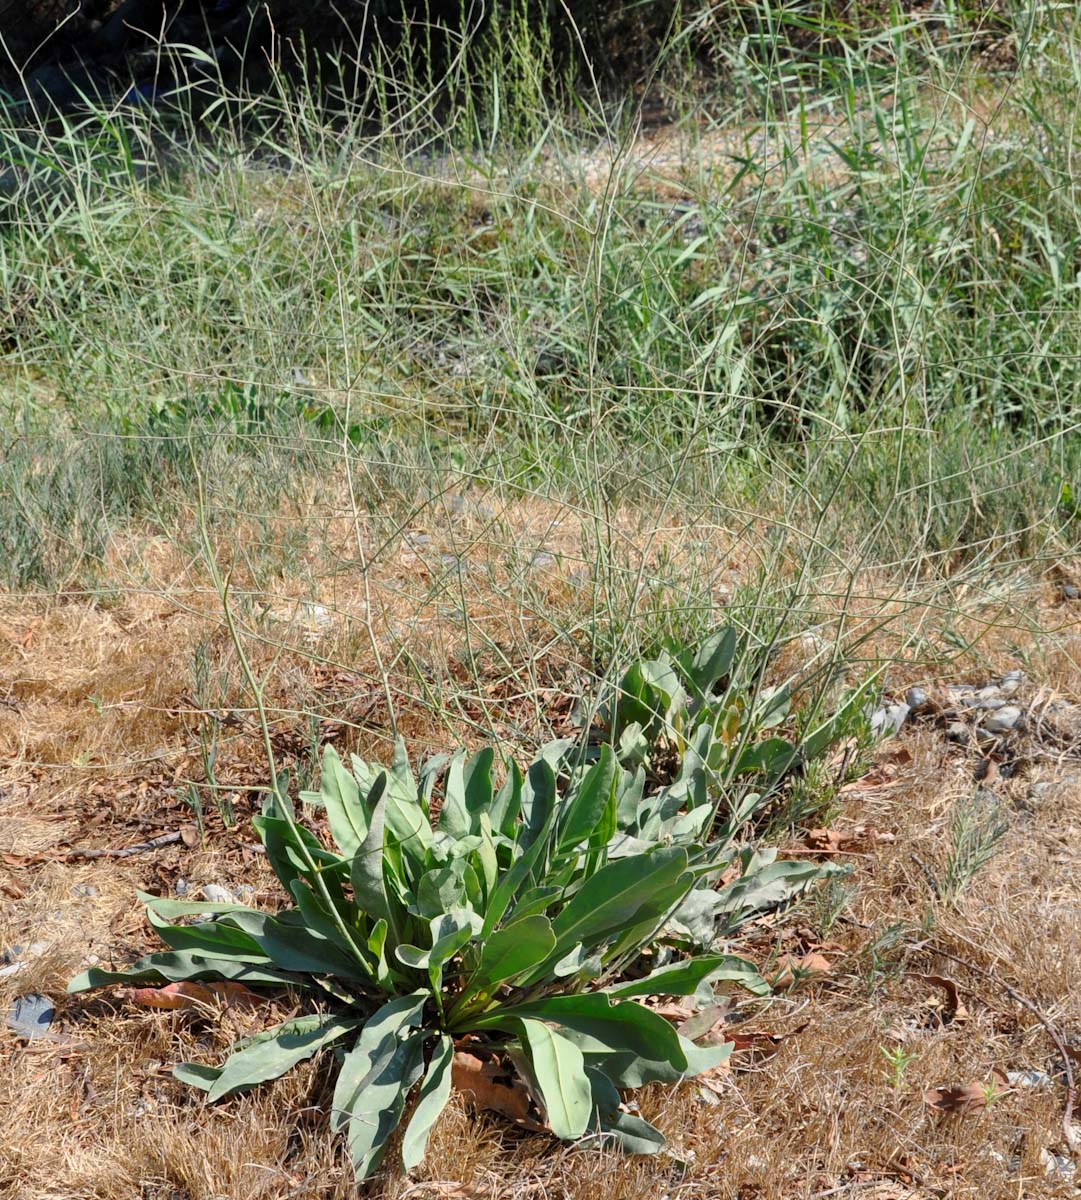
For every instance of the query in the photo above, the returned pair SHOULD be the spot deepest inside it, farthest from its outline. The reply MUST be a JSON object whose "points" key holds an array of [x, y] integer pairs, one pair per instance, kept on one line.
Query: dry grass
{"points": [[96, 1113]]}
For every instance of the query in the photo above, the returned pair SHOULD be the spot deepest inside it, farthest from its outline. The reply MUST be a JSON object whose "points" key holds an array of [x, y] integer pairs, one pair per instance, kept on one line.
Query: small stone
{"points": [[1011, 682], [917, 699], [181, 887], [214, 893], [86, 891], [542, 560], [1004, 720], [987, 694], [993, 705], [244, 892], [1059, 1165], [31, 1015], [887, 721], [958, 731], [456, 505], [1038, 792], [1029, 1079], [1069, 592]]}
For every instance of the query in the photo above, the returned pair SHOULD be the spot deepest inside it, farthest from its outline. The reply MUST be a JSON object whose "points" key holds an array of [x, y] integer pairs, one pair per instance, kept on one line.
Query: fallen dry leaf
{"points": [[193, 995], [968, 1098], [845, 841], [790, 968], [951, 1009], [487, 1085]]}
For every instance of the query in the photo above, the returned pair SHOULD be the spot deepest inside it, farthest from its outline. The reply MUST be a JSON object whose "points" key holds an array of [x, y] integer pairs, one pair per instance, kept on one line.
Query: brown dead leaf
{"points": [[759, 1042], [790, 968], [860, 840], [189, 835], [193, 995], [487, 1085], [948, 1010], [967, 1098]]}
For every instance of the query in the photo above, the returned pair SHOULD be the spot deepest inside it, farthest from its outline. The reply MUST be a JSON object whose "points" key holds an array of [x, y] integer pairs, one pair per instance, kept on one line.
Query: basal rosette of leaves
{"points": [[532, 916]]}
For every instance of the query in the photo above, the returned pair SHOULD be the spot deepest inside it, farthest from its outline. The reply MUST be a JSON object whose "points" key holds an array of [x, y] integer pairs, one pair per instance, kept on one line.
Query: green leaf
{"points": [[560, 1073], [454, 817], [499, 900], [189, 908], [622, 893], [383, 1027], [633, 1135], [406, 817], [507, 803], [215, 938], [598, 1026], [627, 1070], [433, 1097], [589, 801], [684, 978], [538, 804], [509, 952], [376, 1108], [282, 1048], [478, 785], [366, 869], [711, 661], [773, 757], [375, 1079], [174, 966], [197, 1075], [340, 794], [294, 946]]}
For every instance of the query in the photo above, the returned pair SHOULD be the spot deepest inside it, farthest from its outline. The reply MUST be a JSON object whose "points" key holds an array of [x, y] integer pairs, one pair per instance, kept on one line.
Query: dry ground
{"points": [[100, 729]]}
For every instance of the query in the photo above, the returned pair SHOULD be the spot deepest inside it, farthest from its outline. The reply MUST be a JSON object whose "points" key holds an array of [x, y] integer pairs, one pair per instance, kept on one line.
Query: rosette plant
{"points": [[521, 918]]}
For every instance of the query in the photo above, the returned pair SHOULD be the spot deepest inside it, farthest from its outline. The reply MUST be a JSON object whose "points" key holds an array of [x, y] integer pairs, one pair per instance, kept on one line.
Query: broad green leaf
{"points": [[340, 794], [454, 817], [598, 1026], [589, 801], [499, 900], [684, 978], [215, 938], [443, 889], [507, 802], [293, 945], [376, 1107], [508, 952], [763, 888], [711, 661], [366, 869], [538, 804], [285, 1046], [406, 817], [627, 1070], [165, 907], [773, 757], [620, 894], [197, 1075], [385, 1027], [629, 789], [633, 1135], [433, 1097], [478, 784], [559, 1069], [174, 966]]}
